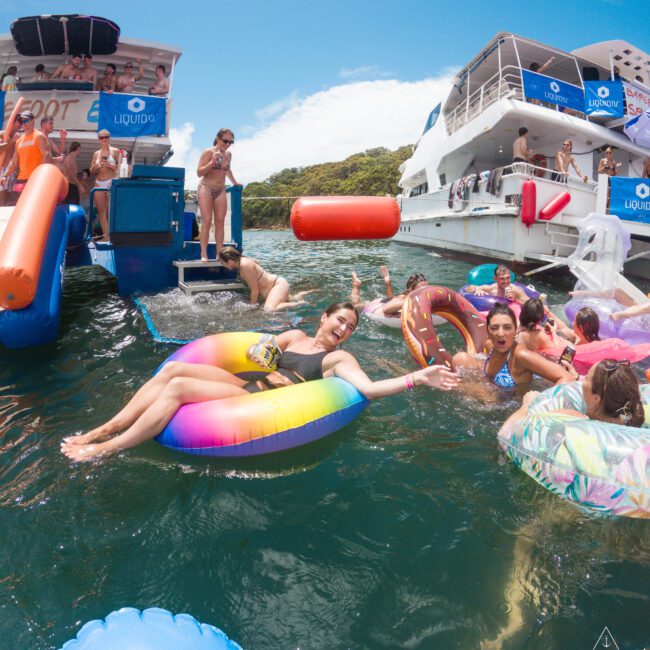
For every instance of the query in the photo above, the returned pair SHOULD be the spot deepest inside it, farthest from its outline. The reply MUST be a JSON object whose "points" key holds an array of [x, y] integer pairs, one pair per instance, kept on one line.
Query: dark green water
{"points": [[405, 530]]}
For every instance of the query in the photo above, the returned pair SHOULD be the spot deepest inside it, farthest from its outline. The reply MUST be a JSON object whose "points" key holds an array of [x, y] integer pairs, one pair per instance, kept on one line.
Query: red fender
{"points": [[554, 206], [344, 217], [528, 202]]}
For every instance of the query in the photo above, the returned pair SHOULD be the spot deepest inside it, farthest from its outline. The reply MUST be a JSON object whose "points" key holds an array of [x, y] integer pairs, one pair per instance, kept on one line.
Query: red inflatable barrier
{"points": [[30, 221], [528, 203], [344, 217], [554, 206]]}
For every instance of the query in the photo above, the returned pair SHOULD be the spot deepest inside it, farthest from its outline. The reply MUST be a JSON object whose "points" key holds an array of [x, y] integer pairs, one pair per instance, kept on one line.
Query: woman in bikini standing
{"points": [[213, 169], [273, 289], [105, 163]]}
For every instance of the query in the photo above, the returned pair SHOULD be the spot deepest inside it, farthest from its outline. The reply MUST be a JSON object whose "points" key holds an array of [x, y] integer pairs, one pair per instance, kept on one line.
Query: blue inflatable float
{"points": [[151, 629]]}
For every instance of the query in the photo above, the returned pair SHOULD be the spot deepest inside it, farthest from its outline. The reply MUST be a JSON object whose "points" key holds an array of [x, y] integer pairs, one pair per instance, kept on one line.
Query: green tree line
{"points": [[374, 172]]}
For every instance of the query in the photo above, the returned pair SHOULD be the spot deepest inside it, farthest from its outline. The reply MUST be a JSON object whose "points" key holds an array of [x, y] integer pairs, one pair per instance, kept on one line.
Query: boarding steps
{"points": [[198, 286]]}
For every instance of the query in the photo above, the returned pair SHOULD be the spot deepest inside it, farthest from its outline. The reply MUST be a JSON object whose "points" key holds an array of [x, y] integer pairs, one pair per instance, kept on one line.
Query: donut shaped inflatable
{"points": [[419, 330], [258, 423], [634, 331], [373, 310], [596, 465], [151, 629]]}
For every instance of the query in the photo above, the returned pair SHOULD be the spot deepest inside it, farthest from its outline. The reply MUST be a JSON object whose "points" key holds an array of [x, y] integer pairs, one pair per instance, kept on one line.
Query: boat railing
{"points": [[505, 83], [544, 173]]}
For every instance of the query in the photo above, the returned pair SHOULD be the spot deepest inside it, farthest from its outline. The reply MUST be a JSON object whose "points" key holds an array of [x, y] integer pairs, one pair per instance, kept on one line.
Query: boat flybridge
{"points": [[74, 104], [463, 193]]}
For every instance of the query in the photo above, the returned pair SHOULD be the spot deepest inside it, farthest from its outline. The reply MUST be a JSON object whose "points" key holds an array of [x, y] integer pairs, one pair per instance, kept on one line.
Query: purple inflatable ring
{"points": [[485, 303]]}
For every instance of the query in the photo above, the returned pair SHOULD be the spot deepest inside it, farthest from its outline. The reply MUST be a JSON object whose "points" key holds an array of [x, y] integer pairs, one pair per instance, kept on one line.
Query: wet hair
{"points": [[74, 146], [229, 253], [161, 67], [413, 281], [111, 66], [523, 130], [589, 323], [501, 309], [501, 269], [618, 388], [532, 313], [220, 135], [39, 68], [339, 306]]}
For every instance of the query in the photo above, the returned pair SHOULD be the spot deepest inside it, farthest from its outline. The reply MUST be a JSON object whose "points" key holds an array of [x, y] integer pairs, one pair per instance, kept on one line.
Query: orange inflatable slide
{"points": [[23, 241]]}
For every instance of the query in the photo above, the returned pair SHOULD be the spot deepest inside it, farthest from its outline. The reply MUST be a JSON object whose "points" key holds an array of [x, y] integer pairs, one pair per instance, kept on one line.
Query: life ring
{"points": [[374, 311], [419, 330], [151, 629], [596, 465], [259, 423], [539, 160], [485, 303]]}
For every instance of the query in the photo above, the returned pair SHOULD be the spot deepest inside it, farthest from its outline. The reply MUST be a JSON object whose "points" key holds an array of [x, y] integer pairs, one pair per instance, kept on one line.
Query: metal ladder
{"points": [[197, 286]]}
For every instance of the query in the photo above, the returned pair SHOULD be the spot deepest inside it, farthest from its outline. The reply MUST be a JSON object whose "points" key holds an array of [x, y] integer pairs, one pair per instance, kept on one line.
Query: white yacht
{"points": [[74, 104], [463, 194]]}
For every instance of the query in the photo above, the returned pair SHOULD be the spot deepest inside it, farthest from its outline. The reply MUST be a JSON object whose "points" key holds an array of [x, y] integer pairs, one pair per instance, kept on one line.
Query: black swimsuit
{"points": [[295, 366]]}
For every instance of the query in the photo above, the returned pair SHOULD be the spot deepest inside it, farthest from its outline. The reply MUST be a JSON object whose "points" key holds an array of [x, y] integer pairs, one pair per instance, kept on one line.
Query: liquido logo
{"points": [[603, 92], [135, 115], [555, 87], [642, 204], [602, 100]]}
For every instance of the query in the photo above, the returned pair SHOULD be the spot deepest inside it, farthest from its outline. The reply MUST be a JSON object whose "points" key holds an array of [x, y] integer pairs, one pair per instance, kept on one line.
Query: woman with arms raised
{"points": [[303, 358]]}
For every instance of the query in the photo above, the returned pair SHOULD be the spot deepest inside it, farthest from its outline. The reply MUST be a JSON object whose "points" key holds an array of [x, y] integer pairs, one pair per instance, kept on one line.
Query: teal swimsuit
{"points": [[503, 378]]}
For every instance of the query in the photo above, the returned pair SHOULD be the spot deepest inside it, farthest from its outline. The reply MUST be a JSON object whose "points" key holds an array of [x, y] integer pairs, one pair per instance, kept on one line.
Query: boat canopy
{"points": [[65, 34]]}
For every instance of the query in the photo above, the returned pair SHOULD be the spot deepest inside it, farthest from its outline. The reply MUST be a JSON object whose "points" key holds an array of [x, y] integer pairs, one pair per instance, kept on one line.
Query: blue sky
{"points": [[310, 81]]}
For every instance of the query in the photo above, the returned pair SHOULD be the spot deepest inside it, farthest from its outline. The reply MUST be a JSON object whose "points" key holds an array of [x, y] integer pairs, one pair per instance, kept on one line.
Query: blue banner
{"points": [[630, 198], [2, 107], [554, 91], [604, 98], [132, 115]]}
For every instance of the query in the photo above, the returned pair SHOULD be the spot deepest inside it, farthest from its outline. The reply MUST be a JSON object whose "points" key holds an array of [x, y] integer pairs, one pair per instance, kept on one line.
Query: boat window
{"points": [[432, 119]]}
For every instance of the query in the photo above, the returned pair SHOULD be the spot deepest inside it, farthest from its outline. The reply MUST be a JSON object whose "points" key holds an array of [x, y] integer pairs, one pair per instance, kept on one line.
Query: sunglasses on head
{"points": [[226, 141], [103, 137]]}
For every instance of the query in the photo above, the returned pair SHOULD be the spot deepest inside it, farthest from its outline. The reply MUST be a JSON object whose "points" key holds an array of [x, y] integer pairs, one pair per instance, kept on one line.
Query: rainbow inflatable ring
{"points": [[259, 423]]}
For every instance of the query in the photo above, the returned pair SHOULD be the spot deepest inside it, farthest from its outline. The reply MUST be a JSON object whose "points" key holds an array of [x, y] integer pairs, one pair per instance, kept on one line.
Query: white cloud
{"points": [[373, 71], [323, 127], [185, 154]]}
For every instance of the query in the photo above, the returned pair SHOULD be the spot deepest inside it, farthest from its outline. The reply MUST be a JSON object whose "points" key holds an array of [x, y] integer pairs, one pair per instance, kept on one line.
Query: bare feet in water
{"points": [[383, 271], [356, 283], [86, 452]]}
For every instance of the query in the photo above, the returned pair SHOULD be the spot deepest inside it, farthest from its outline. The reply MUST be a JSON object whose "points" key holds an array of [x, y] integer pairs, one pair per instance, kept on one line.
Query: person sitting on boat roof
{"points": [[392, 304], [303, 358], [161, 85], [273, 289], [88, 73], [40, 74], [126, 81], [57, 154], [31, 151], [608, 165], [108, 83], [69, 70], [501, 287], [9, 79], [509, 364], [563, 158], [520, 151]]}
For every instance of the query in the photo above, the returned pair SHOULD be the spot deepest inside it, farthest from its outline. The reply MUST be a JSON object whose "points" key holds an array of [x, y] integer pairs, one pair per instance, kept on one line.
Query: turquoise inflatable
{"points": [[484, 274], [151, 629]]}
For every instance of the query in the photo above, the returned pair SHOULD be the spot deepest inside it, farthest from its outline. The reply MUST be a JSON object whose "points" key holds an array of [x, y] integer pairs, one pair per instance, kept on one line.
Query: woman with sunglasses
{"points": [[392, 304], [563, 159], [213, 169], [105, 163], [273, 289], [303, 358], [608, 165], [509, 364]]}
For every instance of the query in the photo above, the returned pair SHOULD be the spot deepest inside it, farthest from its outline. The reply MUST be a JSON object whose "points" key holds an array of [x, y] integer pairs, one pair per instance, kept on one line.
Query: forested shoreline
{"points": [[374, 172]]}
